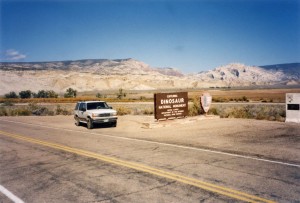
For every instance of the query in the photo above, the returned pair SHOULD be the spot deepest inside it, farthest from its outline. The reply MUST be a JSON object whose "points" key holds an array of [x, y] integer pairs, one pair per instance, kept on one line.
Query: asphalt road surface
{"points": [[49, 159]]}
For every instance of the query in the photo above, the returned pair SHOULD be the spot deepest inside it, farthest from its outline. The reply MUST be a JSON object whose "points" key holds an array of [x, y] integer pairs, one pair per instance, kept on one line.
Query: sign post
{"points": [[206, 100], [170, 105]]}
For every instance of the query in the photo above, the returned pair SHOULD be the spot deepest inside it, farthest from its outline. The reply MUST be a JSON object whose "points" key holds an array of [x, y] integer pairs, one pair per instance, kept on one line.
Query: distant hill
{"points": [[290, 70], [283, 67], [241, 75], [131, 74]]}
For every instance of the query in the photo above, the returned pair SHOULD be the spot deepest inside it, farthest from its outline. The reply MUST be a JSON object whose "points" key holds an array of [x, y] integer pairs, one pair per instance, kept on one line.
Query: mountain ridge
{"points": [[131, 74]]}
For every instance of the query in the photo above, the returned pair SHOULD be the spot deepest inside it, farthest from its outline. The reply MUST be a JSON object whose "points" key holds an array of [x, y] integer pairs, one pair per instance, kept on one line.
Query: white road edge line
{"points": [[10, 195], [165, 144]]}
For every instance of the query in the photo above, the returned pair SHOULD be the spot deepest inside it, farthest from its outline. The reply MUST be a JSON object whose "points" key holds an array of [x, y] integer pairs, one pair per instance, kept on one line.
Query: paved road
{"points": [[50, 163]]}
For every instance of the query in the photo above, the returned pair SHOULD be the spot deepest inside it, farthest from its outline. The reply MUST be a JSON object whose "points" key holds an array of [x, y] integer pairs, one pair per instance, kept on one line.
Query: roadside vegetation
{"points": [[50, 103], [70, 96], [251, 111], [32, 109], [272, 112], [246, 95]]}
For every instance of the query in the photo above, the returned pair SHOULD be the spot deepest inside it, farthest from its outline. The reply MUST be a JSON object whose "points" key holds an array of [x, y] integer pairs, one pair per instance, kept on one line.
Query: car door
{"points": [[82, 114]]}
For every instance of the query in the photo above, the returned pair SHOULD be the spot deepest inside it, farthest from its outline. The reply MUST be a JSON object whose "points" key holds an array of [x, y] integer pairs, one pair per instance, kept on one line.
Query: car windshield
{"points": [[97, 105]]}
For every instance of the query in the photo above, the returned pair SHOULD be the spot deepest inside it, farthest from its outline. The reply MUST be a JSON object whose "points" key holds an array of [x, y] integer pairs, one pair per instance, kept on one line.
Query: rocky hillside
{"points": [[242, 75], [130, 74]]}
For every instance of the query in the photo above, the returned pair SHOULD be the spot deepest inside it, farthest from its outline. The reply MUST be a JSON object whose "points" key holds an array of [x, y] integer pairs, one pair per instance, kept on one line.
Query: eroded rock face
{"points": [[103, 74]]}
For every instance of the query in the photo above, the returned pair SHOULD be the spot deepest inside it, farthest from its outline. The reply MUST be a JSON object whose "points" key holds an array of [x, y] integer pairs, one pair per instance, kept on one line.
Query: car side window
{"points": [[82, 107], [76, 107]]}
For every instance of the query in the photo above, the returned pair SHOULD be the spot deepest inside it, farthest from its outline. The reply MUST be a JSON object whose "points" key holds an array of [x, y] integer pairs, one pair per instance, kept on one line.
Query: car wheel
{"points": [[77, 121], [114, 124], [90, 123]]}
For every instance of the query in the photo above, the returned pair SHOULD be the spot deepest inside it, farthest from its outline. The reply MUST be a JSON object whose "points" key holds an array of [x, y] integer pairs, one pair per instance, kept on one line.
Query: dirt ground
{"points": [[265, 139]]}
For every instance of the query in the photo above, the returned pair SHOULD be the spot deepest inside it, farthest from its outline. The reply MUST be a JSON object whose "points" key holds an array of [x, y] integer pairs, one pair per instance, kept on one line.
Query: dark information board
{"points": [[170, 105], [293, 107]]}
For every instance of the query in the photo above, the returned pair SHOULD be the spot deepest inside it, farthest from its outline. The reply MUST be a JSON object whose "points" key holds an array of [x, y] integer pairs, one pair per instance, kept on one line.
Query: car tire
{"points": [[77, 121], [90, 124], [114, 124]]}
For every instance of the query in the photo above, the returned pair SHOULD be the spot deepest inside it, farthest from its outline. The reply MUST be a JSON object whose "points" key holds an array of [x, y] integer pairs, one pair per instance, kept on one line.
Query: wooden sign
{"points": [[170, 105]]}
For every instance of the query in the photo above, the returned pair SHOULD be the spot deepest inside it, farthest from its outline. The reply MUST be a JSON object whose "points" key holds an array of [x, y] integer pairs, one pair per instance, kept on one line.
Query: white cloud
{"points": [[14, 55]]}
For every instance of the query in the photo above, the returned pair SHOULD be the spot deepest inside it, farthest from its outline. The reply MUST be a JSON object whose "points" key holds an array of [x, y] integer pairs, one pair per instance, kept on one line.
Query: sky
{"points": [[190, 35]]}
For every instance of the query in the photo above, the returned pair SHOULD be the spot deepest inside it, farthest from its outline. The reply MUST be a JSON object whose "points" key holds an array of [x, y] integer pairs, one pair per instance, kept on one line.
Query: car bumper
{"points": [[105, 120]]}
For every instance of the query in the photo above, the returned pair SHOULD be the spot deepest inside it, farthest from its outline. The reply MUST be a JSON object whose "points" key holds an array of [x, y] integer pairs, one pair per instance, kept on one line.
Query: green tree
{"points": [[11, 95], [70, 93], [42, 94], [52, 94], [25, 94], [45, 94]]}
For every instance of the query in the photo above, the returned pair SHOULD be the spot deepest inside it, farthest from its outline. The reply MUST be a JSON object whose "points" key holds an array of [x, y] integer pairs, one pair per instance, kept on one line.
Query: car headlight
{"points": [[113, 114], [94, 115]]}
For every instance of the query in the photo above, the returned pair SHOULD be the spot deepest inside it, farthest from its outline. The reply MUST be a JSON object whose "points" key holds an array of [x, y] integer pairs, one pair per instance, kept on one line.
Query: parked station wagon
{"points": [[91, 112]]}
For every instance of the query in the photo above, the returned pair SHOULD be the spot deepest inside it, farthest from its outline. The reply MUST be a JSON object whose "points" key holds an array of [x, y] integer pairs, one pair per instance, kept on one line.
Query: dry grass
{"points": [[227, 95], [123, 111], [274, 112], [263, 95], [33, 109]]}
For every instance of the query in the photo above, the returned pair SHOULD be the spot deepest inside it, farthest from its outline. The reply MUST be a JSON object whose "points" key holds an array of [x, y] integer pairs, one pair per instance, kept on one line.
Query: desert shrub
{"points": [[31, 109], [217, 99], [213, 111], [195, 109], [20, 112], [62, 111], [33, 106], [7, 103], [245, 99], [37, 110], [123, 111], [121, 94], [143, 98], [3, 111], [50, 113], [137, 111], [260, 112], [99, 95], [41, 111], [148, 112], [235, 112]]}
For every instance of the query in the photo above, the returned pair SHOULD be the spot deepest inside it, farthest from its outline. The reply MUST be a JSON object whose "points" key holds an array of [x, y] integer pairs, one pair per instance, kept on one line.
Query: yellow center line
{"points": [[183, 179]]}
